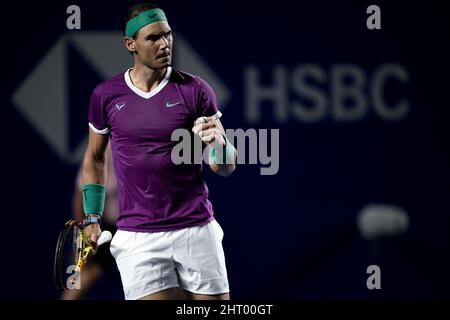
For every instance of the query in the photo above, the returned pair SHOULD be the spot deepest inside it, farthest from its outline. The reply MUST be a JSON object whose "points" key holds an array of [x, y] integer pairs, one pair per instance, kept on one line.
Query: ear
{"points": [[130, 44]]}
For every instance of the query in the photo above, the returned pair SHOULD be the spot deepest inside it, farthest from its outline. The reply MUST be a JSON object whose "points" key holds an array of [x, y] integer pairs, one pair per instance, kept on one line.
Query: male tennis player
{"points": [[168, 244]]}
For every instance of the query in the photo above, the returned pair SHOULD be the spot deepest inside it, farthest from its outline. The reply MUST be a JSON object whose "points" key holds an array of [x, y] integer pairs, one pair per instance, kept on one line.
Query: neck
{"points": [[146, 79]]}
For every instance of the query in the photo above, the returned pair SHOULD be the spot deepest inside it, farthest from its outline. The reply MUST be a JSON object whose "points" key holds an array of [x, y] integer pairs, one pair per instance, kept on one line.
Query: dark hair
{"points": [[134, 11]]}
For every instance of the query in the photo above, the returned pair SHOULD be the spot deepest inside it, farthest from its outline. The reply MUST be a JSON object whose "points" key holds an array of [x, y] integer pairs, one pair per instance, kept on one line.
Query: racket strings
{"points": [[73, 249]]}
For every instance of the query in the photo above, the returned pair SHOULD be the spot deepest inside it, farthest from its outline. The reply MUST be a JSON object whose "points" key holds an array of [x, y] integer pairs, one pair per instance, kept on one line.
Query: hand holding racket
{"points": [[76, 243]]}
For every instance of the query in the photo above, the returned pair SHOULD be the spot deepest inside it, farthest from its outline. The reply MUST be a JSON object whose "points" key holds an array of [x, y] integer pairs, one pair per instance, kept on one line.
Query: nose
{"points": [[165, 42]]}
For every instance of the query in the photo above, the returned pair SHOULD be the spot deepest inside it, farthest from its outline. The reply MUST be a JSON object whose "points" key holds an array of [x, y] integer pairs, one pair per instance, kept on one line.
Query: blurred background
{"points": [[363, 119]]}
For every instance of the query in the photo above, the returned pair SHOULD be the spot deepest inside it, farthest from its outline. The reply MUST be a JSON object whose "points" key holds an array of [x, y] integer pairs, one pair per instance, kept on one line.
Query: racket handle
{"points": [[105, 237]]}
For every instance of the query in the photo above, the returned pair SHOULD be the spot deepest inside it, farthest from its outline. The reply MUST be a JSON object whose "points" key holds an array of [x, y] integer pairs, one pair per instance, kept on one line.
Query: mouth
{"points": [[164, 55]]}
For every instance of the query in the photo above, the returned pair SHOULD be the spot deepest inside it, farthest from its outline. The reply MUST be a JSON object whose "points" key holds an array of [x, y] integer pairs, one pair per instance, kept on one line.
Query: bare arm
{"points": [[77, 204], [94, 170]]}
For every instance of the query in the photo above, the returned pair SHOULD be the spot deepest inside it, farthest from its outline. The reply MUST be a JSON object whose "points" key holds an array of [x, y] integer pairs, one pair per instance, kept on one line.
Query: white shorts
{"points": [[191, 258]]}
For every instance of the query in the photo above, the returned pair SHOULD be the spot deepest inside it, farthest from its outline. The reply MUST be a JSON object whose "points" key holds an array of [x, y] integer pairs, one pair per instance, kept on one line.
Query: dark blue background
{"points": [[288, 236]]}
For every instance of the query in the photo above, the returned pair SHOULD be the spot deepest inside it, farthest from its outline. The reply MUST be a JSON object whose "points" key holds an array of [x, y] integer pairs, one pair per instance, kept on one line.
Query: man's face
{"points": [[154, 45]]}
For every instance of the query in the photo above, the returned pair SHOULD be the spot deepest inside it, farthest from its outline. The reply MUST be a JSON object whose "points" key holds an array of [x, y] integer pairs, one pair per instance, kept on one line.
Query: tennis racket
{"points": [[73, 250]]}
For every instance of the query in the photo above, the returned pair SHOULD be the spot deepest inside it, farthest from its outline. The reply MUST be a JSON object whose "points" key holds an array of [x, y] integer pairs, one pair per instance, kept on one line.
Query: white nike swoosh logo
{"points": [[170, 105]]}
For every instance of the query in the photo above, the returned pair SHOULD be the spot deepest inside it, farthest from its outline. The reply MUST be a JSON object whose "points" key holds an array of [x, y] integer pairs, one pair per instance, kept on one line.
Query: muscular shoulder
{"points": [[110, 87], [187, 79], [197, 93]]}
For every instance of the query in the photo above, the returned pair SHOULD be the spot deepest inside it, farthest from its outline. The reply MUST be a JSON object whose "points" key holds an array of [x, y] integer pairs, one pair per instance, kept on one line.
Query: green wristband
{"points": [[229, 153], [93, 198]]}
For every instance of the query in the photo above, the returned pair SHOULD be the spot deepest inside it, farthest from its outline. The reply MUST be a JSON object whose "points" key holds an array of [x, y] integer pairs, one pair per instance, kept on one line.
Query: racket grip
{"points": [[105, 237]]}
